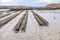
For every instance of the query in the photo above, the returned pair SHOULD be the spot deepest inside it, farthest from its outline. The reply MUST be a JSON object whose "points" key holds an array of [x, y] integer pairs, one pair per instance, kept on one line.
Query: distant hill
{"points": [[51, 6], [15, 7]]}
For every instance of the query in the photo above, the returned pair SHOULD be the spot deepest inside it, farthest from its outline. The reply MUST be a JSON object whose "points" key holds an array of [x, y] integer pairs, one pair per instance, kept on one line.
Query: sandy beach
{"points": [[33, 30]]}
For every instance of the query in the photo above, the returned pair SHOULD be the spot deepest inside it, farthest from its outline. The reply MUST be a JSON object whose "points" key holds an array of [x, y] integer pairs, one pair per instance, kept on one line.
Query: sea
{"points": [[4, 9]]}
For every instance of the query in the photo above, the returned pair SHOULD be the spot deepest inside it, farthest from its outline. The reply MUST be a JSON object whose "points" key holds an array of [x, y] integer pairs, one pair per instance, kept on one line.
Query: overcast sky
{"points": [[35, 3]]}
